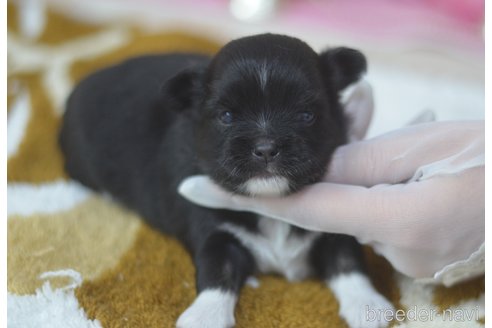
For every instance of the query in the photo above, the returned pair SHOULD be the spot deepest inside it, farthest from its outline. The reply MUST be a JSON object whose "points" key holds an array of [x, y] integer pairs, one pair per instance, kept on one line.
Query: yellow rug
{"points": [[76, 259]]}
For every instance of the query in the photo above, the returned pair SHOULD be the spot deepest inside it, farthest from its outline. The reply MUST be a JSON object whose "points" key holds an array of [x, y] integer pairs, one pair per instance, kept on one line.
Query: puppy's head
{"points": [[267, 112]]}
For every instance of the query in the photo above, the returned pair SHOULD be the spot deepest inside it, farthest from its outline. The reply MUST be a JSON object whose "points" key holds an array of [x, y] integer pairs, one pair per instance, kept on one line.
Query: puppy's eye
{"points": [[226, 117], [306, 117]]}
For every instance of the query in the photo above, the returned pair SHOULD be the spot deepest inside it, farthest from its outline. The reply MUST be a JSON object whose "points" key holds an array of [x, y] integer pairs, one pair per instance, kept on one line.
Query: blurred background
{"points": [[422, 54]]}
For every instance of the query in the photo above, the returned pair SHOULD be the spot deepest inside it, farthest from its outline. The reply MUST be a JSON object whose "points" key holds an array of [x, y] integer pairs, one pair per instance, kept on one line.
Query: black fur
{"points": [[137, 129]]}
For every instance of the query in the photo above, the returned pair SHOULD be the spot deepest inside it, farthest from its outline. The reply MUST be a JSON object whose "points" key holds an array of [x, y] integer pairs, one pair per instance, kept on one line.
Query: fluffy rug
{"points": [[75, 259]]}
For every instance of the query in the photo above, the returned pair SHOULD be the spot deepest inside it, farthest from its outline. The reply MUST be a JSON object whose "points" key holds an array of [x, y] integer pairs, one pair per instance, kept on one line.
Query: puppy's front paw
{"points": [[212, 309], [367, 311], [360, 304]]}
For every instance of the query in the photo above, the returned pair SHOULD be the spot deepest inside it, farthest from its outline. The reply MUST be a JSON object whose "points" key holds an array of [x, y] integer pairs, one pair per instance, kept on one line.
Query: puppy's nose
{"points": [[265, 150]]}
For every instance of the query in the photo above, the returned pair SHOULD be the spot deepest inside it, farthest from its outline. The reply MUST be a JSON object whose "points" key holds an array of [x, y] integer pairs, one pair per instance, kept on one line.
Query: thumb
{"points": [[201, 190]]}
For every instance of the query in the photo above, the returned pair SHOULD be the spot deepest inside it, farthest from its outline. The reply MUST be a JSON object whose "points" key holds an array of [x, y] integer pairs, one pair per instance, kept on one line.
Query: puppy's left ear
{"points": [[184, 89], [342, 66]]}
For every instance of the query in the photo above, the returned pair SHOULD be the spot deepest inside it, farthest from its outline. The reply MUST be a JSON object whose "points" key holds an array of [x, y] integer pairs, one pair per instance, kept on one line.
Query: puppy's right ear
{"points": [[184, 89]]}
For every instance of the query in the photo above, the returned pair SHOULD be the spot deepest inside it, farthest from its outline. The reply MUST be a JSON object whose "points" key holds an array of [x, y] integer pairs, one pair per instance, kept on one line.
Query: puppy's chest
{"points": [[277, 248]]}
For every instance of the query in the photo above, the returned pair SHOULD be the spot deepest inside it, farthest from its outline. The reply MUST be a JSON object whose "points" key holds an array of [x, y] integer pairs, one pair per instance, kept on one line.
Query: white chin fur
{"points": [[273, 186]]}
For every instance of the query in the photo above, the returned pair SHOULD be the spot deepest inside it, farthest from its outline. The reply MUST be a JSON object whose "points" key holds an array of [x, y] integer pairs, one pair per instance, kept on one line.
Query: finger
{"points": [[395, 156], [202, 191], [305, 209]]}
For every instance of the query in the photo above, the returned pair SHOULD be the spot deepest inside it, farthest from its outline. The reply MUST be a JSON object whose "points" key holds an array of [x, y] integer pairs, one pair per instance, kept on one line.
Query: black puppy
{"points": [[262, 117]]}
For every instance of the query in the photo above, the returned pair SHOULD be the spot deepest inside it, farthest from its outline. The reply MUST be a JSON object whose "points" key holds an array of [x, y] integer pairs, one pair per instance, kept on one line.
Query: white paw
{"points": [[367, 312], [212, 308], [360, 304]]}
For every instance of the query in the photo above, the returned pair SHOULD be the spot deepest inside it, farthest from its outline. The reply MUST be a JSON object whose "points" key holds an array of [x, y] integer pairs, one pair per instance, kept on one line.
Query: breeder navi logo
{"points": [[423, 314]]}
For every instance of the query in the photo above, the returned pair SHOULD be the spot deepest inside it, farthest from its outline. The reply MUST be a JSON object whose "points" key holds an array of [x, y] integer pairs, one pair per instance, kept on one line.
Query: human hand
{"points": [[415, 194]]}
